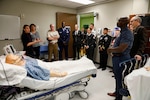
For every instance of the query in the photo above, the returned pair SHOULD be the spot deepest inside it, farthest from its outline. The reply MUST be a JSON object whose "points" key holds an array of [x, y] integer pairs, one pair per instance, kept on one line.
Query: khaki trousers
{"points": [[52, 49]]}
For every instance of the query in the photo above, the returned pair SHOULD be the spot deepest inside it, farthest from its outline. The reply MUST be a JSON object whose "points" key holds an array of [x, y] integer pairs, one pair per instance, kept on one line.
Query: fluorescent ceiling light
{"points": [[85, 2]]}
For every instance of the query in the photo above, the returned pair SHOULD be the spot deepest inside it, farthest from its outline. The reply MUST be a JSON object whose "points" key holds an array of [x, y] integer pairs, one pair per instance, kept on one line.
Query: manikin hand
{"points": [[147, 68]]}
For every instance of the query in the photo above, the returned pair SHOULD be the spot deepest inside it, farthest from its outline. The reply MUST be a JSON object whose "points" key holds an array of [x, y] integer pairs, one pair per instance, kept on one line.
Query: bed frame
{"points": [[66, 92]]}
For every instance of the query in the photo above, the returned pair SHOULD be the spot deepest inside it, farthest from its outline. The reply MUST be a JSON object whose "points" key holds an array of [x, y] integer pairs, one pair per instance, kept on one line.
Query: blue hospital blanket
{"points": [[35, 71]]}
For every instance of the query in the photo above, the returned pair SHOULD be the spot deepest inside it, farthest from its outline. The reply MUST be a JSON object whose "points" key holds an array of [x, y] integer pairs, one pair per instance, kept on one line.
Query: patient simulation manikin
{"points": [[32, 67]]}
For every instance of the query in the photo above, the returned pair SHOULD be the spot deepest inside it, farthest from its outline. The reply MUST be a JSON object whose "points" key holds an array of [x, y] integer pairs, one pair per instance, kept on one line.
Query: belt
{"points": [[117, 54], [53, 43]]}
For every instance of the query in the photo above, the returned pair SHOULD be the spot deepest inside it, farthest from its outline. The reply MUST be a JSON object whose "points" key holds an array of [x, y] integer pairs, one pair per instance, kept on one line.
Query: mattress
{"points": [[76, 69]]}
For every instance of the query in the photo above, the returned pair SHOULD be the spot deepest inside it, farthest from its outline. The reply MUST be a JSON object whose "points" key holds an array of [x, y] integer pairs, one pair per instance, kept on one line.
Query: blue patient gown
{"points": [[35, 71]]}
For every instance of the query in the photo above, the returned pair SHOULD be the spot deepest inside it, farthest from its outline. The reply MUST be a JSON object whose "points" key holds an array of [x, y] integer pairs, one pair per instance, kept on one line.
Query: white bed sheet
{"points": [[76, 70], [138, 83]]}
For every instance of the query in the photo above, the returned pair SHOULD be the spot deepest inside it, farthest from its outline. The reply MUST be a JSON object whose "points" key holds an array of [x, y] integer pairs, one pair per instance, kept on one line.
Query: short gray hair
{"points": [[137, 18]]}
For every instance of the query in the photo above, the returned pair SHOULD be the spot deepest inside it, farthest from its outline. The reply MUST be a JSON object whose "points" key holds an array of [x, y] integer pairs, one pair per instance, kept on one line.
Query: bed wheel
{"points": [[71, 95], [83, 94], [86, 83]]}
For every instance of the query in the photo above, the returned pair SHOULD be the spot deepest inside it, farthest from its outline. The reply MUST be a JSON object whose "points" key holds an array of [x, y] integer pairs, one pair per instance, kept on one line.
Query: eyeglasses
{"points": [[20, 58]]}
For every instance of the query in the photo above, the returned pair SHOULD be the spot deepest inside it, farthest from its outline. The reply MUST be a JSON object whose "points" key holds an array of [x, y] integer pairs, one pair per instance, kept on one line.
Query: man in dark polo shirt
{"points": [[121, 52]]}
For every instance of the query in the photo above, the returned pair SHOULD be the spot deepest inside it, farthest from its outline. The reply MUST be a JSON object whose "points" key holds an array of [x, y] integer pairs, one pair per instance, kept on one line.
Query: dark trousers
{"points": [[61, 47], [76, 50], [103, 59], [118, 73], [90, 53], [37, 51]]}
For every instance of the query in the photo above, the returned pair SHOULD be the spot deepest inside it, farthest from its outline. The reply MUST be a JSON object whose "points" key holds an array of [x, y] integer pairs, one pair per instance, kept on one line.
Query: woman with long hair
{"points": [[27, 41]]}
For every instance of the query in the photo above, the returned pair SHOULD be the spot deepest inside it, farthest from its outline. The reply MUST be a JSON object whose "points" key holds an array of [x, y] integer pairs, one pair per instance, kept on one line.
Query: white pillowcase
{"points": [[10, 74]]}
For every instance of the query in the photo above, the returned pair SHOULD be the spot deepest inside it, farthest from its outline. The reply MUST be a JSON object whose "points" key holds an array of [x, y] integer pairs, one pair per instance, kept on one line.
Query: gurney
{"points": [[22, 87]]}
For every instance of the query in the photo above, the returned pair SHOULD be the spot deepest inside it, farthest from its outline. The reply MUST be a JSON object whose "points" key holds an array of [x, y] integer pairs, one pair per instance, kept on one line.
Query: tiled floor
{"points": [[99, 87]]}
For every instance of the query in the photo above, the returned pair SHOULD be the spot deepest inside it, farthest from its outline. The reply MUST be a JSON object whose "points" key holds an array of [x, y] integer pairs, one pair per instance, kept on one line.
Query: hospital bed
{"points": [[15, 85], [128, 79]]}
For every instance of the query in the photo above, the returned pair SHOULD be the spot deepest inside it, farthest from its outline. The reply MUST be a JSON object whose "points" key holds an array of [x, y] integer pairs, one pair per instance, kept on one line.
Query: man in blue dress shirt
{"points": [[63, 41]]}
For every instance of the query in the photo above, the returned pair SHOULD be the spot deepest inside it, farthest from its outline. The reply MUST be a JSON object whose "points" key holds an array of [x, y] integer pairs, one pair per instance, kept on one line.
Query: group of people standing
{"points": [[83, 40], [125, 43], [130, 43], [60, 40]]}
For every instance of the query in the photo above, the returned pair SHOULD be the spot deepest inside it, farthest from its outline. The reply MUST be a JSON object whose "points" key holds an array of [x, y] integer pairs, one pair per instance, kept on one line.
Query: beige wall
{"points": [[40, 14], [140, 6]]}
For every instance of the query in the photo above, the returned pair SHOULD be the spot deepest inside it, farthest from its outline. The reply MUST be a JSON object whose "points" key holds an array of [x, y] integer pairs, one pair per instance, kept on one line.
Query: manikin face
{"points": [[15, 59]]}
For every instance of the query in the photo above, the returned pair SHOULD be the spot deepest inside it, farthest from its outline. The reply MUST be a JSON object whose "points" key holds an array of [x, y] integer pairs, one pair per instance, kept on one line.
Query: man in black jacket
{"points": [[77, 37], [104, 42], [140, 38], [90, 44], [63, 41]]}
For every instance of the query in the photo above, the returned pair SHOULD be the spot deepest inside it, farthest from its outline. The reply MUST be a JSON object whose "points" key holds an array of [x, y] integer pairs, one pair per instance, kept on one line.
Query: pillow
{"points": [[11, 74]]}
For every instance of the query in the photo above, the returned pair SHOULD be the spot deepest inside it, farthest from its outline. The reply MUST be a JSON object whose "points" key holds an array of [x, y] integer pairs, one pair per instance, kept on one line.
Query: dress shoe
{"points": [[112, 94], [99, 67], [124, 92], [110, 71], [113, 76], [103, 69], [74, 59]]}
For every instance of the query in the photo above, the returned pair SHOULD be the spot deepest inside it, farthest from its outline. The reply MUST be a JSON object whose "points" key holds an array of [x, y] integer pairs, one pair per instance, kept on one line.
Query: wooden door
{"points": [[70, 20]]}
